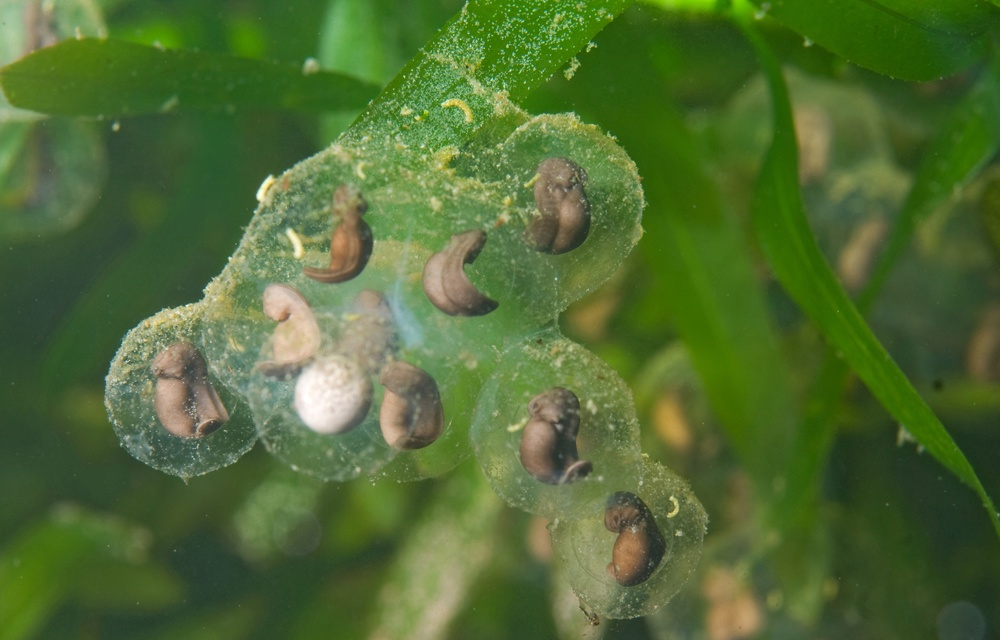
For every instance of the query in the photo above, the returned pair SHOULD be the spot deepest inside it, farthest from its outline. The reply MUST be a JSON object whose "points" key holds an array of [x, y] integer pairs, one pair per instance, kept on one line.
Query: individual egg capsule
{"points": [[564, 220], [333, 395], [548, 443], [656, 527], [186, 403], [640, 544]]}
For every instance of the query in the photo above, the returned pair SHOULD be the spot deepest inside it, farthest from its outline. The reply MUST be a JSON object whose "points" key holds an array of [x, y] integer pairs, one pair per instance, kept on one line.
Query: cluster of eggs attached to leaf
{"points": [[385, 311]]}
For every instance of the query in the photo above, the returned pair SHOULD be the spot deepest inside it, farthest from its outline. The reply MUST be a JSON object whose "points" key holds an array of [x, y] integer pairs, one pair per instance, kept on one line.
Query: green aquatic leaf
{"points": [[51, 170], [714, 300], [69, 555], [791, 250], [908, 40], [490, 48], [111, 78], [966, 141], [51, 173]]}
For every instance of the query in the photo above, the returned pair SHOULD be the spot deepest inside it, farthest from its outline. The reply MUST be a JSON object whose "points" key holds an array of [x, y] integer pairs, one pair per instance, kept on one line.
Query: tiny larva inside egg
{"points": [[186, 403], [548, 442]]}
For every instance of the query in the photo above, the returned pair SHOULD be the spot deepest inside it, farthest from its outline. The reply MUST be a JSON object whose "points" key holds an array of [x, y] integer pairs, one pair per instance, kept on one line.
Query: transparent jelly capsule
{"points": [[607, 436], [586, 554], [540, 285], [167, 403]]}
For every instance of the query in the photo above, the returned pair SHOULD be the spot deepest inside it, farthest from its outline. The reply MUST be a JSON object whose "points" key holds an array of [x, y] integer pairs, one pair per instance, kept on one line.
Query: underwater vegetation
{"points": [[606, 261]]}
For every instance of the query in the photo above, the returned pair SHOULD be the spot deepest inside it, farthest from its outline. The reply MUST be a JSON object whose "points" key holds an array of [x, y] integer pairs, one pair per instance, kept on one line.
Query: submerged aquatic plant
{"points": [[393, 305]]}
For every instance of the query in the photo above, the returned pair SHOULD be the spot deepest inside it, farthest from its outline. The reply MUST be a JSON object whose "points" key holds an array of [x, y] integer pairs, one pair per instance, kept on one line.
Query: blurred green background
{"points": [[878, 541]]}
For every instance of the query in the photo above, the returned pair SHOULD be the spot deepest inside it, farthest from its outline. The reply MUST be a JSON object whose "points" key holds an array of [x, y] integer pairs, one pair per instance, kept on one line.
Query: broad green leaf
{"points": [[791, 251], [51, 173], [56, 559], [910, 40], [351, 40], [110, 78]]}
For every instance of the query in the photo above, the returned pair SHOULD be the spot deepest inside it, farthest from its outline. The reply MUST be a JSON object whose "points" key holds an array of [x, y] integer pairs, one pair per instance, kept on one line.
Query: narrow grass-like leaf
{"points": [[969, 138], [908, 40], [967, 141], [704, 268], [791, 250], [93, 77]]}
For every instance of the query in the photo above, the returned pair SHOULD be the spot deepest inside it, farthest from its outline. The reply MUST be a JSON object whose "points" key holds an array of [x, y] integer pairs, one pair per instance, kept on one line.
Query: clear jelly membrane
{"points": [[583, 547], [608, 434], [487, 368], [130, 393]]}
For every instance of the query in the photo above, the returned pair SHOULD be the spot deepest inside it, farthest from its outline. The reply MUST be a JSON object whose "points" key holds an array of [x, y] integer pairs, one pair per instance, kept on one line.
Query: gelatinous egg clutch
{"points": [[391, 309]]}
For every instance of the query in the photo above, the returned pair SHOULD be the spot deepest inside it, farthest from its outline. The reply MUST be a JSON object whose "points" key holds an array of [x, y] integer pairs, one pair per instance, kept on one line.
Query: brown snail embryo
{"points": [[411, 416], [351, 244], [445, 282], [297, 337], [640, 545], [186, 403], [548, 444], [562, 202]]}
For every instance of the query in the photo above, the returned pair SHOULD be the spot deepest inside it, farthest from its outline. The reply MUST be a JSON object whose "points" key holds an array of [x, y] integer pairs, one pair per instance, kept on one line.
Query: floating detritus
{"points": [[548, 442]]}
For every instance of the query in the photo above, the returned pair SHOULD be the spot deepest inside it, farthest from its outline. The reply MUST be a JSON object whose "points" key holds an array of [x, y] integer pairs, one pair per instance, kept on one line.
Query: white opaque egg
{"points": [[333, 395]]}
